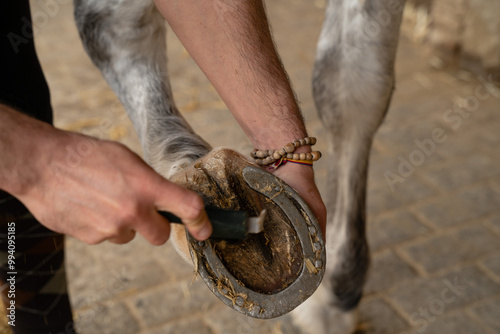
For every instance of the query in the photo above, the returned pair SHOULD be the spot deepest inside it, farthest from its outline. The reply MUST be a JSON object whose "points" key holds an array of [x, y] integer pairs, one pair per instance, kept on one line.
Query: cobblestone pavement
{"points": [[433, 194]]}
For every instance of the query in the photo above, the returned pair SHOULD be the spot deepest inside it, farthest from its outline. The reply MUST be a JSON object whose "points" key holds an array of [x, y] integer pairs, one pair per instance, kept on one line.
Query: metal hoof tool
{"points": [[231, 291]]}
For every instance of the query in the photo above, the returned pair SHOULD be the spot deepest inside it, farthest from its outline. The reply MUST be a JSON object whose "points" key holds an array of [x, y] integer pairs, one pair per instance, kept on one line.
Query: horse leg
{"points": [[353, 81], [126, 40]]}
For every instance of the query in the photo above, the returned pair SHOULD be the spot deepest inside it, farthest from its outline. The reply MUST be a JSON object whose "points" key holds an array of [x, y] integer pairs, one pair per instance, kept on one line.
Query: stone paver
{"points": [[112, 318], [382, 198], [495, 221], [489, 314], [493, 264], [393, 229], [377, 317], [456, 324], [434, 233], [443, 293], [460, 206], [190, 326], [225, 321], [113, 273], [442, 251], [474, 169], [158, 306], [387, 271]]}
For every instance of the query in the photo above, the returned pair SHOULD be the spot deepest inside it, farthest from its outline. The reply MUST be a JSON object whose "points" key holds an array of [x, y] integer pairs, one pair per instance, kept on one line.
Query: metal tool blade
{"points": [[256, 224]]}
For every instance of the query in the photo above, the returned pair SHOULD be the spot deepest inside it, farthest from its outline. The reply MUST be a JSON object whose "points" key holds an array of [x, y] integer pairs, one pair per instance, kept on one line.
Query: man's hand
{"points": [[301, 179], [110, 195], [91, 189]]}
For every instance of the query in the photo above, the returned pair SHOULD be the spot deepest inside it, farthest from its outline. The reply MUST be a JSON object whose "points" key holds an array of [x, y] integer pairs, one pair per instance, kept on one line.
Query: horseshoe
{"points": [[244, 300]]}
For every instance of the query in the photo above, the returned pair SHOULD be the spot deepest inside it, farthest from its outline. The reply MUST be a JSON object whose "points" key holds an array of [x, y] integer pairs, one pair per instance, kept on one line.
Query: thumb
{"points": [[188, 206]]}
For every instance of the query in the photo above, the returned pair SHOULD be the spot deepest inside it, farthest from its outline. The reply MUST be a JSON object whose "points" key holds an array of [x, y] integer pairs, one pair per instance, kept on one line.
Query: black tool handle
{"points": [[226, 224]]}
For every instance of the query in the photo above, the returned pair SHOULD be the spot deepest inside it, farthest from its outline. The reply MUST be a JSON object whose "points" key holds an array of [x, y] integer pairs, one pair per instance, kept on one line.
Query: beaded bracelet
{"points": [[277, 157]]}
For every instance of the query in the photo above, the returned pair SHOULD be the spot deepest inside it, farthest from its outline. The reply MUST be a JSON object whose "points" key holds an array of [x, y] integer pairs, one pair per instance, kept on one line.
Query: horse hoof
{"points": [[320, 315], [267, 274]]}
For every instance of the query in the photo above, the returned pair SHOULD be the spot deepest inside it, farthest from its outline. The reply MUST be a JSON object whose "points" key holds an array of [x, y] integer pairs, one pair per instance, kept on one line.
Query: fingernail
{"points": [[205, 232]]}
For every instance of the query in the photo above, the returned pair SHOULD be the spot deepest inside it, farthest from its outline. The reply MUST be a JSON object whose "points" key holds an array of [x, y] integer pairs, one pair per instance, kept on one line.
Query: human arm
{"points": [[91, 189], [232, 44]]}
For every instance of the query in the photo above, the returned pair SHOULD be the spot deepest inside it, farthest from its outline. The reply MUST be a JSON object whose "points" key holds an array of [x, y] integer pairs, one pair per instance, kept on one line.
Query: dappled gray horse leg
{"points": [[353, 82], [126, 40]]}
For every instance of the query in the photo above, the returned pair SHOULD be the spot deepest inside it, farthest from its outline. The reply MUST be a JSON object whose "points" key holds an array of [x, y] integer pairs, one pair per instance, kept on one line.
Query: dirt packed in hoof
{"points": [[267, 262]]}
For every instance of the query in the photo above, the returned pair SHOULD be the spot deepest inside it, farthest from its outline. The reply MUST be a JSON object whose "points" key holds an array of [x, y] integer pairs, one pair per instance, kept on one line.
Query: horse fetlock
{"points": [[320, 314]]}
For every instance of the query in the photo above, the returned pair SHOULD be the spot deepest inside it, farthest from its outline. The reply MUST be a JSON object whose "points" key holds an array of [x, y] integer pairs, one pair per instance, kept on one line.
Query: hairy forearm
{"points": [[231, 42], [21, 147]]}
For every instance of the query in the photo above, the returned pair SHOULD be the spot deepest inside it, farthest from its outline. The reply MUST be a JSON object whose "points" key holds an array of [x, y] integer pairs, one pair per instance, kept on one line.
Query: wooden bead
{"points": [[270, 160], [316, 155], [261, 154], [267, 157], [289, 148]]}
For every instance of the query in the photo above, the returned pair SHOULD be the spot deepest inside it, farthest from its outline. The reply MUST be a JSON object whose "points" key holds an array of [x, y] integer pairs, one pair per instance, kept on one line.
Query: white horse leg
{"points": [[126, 40], [353, 82]]}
